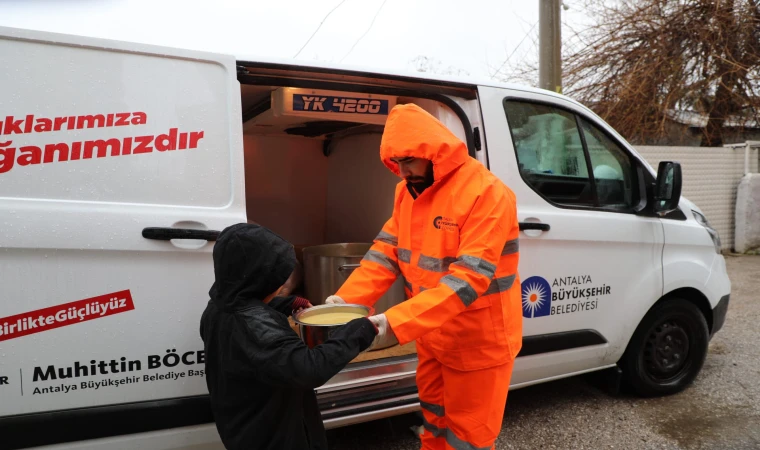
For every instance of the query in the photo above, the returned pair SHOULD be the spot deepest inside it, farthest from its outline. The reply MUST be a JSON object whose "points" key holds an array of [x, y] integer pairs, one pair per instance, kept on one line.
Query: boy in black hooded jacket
{"points": [[260, 375]]}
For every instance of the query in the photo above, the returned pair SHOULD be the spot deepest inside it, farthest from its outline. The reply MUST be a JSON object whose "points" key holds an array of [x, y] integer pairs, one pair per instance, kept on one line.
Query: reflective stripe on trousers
{"points": [[451, 438], [463, 410]]}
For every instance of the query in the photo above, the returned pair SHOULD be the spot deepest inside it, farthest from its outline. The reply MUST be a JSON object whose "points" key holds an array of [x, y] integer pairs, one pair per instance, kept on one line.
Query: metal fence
{"points": [[711, 176]]}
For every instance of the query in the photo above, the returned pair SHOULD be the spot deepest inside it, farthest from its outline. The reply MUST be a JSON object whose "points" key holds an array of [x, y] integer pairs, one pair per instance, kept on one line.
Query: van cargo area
{"points": [[313, 174], [316, 178]]}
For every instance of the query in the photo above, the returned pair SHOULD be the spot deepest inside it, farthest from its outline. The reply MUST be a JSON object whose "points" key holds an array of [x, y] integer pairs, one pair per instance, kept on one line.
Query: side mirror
{"points": [[667, 191]]}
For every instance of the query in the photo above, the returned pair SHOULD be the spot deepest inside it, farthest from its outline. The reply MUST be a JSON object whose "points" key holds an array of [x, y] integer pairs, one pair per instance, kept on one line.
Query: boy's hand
{"points": [[300, 303]]}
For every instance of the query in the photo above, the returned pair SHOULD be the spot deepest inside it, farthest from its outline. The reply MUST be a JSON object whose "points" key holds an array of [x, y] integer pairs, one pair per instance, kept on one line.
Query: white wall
{"points": [[310, 199], [360, 190], [711, 176], [748, 213], [286, 186]]}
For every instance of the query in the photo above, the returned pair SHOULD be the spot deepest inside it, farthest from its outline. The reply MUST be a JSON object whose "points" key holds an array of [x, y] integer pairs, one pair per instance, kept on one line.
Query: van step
{"points": [[382, 393], [368, 405]]}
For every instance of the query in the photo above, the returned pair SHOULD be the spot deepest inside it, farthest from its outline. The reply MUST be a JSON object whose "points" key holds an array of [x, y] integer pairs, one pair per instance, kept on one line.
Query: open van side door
{"points": [[118, 162]]}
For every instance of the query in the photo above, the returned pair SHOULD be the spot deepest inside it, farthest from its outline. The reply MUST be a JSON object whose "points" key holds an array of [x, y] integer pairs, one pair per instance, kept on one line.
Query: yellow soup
{"points": [[331, 318]]}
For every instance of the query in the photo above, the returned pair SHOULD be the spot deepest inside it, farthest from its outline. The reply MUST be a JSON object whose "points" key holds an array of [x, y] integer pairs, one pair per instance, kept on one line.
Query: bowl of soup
{"points": [[315, 324]]}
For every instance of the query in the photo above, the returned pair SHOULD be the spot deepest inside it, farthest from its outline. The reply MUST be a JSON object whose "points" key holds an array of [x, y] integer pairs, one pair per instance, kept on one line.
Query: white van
{"points": [[119, 164]]}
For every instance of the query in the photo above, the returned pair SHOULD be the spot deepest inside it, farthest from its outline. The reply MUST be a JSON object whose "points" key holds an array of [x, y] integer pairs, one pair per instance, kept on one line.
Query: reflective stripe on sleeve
{"points": [[382, 259]]}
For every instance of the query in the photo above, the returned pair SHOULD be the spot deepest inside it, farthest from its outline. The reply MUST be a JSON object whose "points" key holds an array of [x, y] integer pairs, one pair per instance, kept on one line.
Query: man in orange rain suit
{"points": [[453, 236]]}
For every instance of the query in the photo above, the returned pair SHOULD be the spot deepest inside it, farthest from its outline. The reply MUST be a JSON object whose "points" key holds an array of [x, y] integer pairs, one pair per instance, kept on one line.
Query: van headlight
{"points": [[702, 220]]}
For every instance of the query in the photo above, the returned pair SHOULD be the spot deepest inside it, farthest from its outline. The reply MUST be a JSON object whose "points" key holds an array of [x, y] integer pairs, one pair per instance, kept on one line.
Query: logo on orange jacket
{"points": [[445, 223]]}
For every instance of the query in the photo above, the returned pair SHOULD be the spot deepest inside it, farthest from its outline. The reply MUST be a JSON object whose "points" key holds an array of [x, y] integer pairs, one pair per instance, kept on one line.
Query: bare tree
{"points": [[431, 65], [643, 62]]}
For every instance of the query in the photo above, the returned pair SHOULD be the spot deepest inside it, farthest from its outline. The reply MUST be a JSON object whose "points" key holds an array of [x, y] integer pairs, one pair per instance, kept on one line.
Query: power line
{"points": [[513, 51], [367, 31], [320, 26]]}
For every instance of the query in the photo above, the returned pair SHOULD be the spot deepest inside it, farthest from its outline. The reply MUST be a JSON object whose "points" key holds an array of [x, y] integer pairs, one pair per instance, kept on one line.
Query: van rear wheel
{"points": [[667, 349]]}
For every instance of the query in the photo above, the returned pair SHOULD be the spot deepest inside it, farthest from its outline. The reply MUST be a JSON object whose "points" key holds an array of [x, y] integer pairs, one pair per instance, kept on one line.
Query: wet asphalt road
{"points": [[721, 410]]}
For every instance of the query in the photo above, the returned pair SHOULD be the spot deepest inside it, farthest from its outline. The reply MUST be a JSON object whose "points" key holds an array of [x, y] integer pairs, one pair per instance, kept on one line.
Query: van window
{"points": [[557, 158], [550, 152], [612, 168]]}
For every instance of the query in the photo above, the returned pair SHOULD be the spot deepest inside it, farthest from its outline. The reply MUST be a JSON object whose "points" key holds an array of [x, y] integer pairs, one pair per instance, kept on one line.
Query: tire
{"points": [[667, 350]]}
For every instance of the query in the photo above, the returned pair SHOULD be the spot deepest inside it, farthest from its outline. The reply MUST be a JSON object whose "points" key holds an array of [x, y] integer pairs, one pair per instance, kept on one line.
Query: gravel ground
{"points": [[721, 410]]}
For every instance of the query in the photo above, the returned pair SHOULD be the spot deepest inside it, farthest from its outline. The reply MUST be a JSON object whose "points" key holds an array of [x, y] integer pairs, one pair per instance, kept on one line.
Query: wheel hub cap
{"points": [[667, 348]]}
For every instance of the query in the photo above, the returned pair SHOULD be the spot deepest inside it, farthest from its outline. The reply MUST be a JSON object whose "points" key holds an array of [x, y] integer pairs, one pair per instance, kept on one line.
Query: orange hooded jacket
{"points": [[456, 246]]}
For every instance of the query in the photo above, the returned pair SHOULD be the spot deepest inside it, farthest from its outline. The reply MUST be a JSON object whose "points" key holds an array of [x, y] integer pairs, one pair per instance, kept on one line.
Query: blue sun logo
{"points": [[536, 297]]}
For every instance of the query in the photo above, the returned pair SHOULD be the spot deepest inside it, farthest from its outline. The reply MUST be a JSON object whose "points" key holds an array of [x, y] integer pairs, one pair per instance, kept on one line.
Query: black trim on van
{"points": [[257, 109], [554, 342], [31, 430], [719, 314], [534, 226], [676, 214], [57, 427], [244, 66], [168, 233], [331, 85]]}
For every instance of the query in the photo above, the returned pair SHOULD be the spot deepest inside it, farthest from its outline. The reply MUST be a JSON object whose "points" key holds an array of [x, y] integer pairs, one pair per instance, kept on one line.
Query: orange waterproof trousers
{"points": [[462, 410]]}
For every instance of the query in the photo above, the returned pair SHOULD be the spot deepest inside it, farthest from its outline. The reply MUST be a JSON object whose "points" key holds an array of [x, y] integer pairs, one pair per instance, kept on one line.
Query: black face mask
{"points": [[419, 184]]}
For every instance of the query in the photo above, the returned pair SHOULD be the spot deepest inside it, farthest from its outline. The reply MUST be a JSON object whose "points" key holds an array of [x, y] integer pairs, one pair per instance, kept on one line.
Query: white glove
{"points": [[334, 299], [383, 329]]}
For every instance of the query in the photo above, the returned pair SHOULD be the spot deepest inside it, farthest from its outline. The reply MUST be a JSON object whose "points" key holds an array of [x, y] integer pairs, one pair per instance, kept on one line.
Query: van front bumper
{"points": [[719, 314]]}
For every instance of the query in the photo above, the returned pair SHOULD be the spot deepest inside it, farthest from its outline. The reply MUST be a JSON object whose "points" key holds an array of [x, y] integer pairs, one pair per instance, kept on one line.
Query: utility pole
{"points": [[549, 44]]}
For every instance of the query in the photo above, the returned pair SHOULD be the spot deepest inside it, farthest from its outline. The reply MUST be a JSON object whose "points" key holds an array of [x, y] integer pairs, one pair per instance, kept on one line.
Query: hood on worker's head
{"points": [[250, 263], [410, 131]]}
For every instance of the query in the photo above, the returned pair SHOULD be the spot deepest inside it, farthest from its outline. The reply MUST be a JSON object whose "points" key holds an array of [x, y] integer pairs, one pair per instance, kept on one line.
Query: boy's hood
{"points": [[250, 262]]}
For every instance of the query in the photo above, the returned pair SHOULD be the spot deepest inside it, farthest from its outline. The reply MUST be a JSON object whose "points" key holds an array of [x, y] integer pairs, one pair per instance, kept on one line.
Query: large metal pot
{"points": [[327, 267], [313, 334]]}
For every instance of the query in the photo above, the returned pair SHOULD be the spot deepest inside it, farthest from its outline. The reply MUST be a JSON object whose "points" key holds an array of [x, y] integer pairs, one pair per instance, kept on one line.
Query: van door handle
{"points": [[167, 234], [534, 226]]}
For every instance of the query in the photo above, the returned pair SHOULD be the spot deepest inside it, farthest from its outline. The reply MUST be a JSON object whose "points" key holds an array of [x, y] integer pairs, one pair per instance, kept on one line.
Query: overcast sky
{"points": [[474, 36]]}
